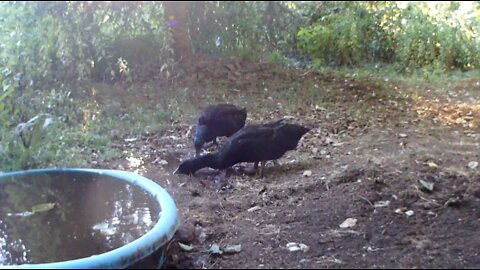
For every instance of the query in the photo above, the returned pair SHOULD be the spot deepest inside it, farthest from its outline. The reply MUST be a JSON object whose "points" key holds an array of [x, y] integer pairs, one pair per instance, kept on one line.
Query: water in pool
{"points": [[64, 216]]}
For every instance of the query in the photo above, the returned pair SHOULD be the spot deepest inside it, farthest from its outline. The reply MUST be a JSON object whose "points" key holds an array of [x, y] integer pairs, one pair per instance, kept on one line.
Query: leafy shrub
{"points": [[245, 28], [414, 37], [48, 42]]}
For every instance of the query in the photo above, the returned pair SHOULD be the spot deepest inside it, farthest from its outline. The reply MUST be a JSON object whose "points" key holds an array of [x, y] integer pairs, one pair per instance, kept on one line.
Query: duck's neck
{"points": [[208, 160]]}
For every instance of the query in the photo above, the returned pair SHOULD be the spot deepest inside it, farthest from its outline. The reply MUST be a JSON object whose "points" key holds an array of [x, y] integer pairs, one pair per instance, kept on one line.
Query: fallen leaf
{"points": [[426, 185], [255, 208], [432, 164], [349, 222], [185, 247], [43, 207]]}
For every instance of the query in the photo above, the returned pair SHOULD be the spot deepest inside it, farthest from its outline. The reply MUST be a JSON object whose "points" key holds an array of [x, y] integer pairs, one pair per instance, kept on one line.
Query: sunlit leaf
{"points": [[432, 164]]}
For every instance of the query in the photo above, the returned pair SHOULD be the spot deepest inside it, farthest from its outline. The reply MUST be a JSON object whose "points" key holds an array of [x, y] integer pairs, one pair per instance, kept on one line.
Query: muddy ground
{"points": [[370, 144]]}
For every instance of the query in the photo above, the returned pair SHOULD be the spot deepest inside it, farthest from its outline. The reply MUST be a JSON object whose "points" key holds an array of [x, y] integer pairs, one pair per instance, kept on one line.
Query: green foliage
{"points": [[439, 42], [338, 39], [47, 42], [245, 28], [348, 33], [415, 36], [53, 138], [80, 130], [46, 47], [277, 58]]}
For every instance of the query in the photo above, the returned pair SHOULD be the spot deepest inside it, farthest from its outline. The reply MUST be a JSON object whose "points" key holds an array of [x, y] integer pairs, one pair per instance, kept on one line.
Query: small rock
{"points": [[409, 213], [304, 247], [163, 162], [307, 173], [329, 140], [381, 204], [473, 165], [348, 223], [232, 248], [215, 249], [402, 135], [293, 247]]}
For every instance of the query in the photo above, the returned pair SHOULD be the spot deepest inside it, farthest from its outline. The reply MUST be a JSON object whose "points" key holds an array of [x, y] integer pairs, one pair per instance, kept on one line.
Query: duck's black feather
{"points": [[218, 121], [253, 143]]}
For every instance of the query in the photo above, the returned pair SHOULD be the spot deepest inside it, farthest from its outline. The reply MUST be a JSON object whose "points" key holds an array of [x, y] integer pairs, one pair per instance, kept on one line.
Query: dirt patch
{"points": [[366, 164]]}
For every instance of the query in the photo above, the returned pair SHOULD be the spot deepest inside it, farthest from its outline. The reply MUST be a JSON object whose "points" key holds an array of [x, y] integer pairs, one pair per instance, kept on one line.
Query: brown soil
{"points": [[365, 162]]}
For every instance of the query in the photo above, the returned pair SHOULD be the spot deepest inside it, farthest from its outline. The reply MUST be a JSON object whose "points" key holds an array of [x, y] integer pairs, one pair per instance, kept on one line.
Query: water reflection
{"points": [[64, 215]]}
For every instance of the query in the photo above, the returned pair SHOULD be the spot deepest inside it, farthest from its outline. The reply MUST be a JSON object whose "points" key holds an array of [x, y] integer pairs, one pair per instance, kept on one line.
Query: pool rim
{"points": [[134, 251]]}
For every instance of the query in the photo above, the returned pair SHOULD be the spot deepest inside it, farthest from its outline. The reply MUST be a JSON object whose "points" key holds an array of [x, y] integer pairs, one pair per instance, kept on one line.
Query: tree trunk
{"points": [[176, 15], [269, 14], [198, 21]]}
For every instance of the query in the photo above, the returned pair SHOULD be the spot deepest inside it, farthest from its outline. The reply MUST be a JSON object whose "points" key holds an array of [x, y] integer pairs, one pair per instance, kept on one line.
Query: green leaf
{"points": [[43, 207], [9, 91]]}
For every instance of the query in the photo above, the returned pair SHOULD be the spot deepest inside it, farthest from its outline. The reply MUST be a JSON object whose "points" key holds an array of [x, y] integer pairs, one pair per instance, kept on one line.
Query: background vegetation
{"points": [[51, 53]]}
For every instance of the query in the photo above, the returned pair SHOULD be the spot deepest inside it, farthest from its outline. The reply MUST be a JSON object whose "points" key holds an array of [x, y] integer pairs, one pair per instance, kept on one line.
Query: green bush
{"points": [[44, 129], [353, 33], [48, 42], [245, 28], [439, 42]]}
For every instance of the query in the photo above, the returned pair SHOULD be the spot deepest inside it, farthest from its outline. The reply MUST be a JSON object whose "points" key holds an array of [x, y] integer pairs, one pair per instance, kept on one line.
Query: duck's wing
{"points": [[247, 145]]}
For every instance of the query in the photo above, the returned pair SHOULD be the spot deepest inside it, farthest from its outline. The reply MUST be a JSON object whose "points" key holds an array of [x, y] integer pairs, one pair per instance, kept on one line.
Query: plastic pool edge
{"points": [[134, 251]]}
